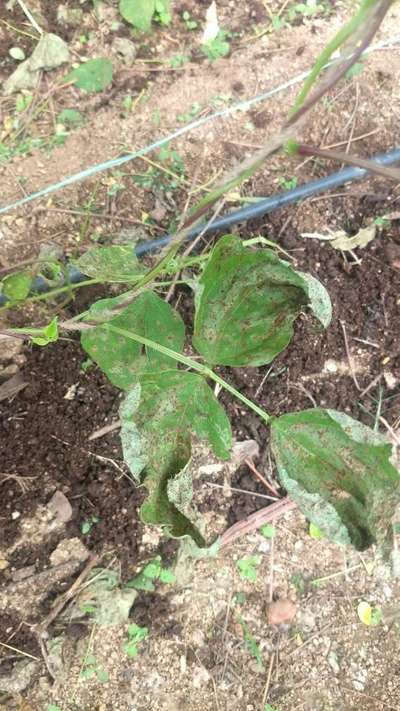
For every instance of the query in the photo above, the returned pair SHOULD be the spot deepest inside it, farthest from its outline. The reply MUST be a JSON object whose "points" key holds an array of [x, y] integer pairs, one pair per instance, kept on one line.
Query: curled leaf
{"points": [[246, 303], [340, 474]]}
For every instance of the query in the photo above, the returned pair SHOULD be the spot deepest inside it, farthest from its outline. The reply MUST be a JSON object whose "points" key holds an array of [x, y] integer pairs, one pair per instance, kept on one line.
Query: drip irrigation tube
{"points": [[250, 212]]}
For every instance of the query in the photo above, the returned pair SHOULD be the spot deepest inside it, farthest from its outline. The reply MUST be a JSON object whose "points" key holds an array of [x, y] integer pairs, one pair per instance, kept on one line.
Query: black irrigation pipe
{"points": [[251, 212]]}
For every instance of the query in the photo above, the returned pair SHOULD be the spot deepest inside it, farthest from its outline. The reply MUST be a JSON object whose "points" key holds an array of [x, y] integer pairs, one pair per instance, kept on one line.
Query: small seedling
{"points": [[369, 615], [218, 47], [288, 183], [382, 222], [251, 643], [152, 572], [239, 598], [191, 114], [315, 532], [178, 60], [87, 525], [190, 24], [53, 707], [91, 669], [248, 567], [136, 635], [268, 707], [268, 531]]}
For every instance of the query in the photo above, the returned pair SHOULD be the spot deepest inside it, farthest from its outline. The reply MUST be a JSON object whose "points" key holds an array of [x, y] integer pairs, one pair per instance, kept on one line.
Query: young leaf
{"points": [[248, 567], [138, 13], [48, 335], [122, 359], [315, 532], [71, 117], [246, 303], [340, 474], [267, 530], [117, 264], [173, 405], [92, 76], [251, 643], [16, 287]]}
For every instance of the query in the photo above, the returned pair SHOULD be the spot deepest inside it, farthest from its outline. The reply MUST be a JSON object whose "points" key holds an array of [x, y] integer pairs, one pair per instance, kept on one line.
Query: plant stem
{"points": [[200, 367], [50, 294]]}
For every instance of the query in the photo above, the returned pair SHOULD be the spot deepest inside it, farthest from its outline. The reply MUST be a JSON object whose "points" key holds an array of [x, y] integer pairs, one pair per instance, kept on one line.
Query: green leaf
{"points": [[248, 567], [87, 673], [117, 264], [92, 76], [251, 643], [138, 13], [102, 675], [173, 405], [167, 577], [340, 473], [136, 633], [315, 532], [53, 707], [48, 335], [246, 303], [130, 648], [267, 531], [163, 11], [16, 287], [71, 117], [122, 359]]}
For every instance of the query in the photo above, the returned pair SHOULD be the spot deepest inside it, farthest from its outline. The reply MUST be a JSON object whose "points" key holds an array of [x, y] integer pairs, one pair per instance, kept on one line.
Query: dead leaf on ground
{"points": [[341, 240], [281, 611]]}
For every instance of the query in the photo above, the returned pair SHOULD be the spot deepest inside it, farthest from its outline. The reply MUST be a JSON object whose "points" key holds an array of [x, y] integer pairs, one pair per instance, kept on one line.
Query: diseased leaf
{"points": [[138, 13], [92, 76], [246, 303], [122, 359], [173, 405], [340, 474], [16, 287], [117, 264]]}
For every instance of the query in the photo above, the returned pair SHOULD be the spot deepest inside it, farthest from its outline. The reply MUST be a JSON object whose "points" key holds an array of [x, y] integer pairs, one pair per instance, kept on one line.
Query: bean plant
{"points": [[246, 300]]}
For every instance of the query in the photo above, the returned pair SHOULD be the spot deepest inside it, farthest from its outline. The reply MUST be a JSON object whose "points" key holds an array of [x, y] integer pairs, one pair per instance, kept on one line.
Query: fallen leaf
{"points": [[341, 240], [211, 29], [50, 52], [281, 611]]}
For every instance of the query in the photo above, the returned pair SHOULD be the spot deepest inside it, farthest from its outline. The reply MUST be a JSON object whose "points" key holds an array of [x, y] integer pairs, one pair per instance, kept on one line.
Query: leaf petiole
{"points": [[194, 365]]}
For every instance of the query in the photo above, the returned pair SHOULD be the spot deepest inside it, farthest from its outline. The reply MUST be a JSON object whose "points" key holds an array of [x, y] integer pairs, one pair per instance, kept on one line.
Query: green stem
{"points": [[50, 294], [190, 363]]}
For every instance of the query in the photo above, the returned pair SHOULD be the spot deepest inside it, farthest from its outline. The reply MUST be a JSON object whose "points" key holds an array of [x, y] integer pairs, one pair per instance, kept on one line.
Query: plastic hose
{"points": [[250, 212]]}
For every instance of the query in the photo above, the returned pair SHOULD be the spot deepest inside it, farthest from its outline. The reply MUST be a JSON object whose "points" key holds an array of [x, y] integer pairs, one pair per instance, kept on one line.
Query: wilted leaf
{"points": [[16, 287], [50, 52], [246, 303], [138, 13], [173, 405], [340, 474], [123, 359], [341, 240], [364, 612], [106, 603], [117, 264], [92, 76]]}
